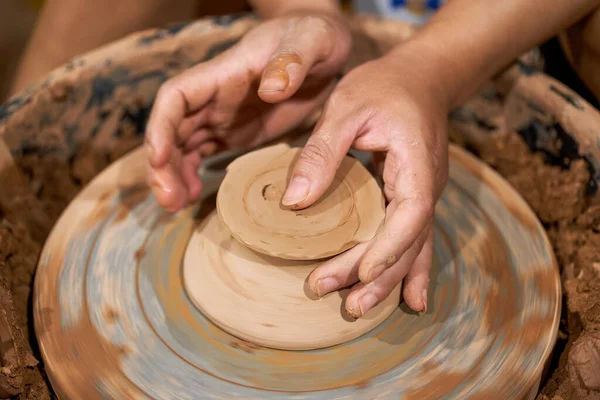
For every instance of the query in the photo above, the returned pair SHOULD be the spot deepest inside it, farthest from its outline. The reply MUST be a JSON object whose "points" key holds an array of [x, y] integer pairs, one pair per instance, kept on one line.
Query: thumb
{"points": [[306, 42], [323, 153]]}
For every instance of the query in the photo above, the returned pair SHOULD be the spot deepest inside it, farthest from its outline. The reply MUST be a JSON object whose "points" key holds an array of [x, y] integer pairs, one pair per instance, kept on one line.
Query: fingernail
{"points": [[296, 191], [326, 285], [272, 84], [366, 302], [375, 272], [424, 298]]}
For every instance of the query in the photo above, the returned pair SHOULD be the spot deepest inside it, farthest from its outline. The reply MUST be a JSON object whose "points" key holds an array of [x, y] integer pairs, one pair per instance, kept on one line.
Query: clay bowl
{"points": [[92, 111]]}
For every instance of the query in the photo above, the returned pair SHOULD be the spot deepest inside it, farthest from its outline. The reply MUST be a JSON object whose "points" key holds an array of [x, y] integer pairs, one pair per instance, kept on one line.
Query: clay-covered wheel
{"points": [[114, 319], [249, 205]]}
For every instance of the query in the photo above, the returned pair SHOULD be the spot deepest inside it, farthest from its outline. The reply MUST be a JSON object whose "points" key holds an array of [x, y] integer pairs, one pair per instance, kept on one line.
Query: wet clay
{"points": [[249, 205], [277, 68], [242, 253], [268, 300]]}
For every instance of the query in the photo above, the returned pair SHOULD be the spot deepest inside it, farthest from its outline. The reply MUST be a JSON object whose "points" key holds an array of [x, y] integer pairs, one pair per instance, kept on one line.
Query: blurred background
{"points": [[37, 36], [17, 18]]}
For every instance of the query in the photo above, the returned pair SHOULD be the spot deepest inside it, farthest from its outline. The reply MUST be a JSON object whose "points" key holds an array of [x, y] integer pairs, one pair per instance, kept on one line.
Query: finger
{"points": [[406, 259], [417, 279], [192, 125], [360, 301], [324, 151], [189, 174], [168, 187], [337, 273], [197, 140], [307, 41], [176, 98], [413, 197], [210, 148]]}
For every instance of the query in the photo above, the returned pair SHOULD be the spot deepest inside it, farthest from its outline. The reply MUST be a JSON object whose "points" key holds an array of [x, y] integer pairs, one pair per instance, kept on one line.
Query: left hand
{"points": [[394, 107], [268, 83]]}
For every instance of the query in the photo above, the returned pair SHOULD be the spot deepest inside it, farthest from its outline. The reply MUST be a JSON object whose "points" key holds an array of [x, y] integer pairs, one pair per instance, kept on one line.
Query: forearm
{"points": [[67, 28], [471, 40], [275, 8]]}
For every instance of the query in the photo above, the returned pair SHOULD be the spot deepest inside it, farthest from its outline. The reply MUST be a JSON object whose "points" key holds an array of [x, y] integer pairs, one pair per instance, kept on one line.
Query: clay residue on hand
{"points": [[277, 67]]}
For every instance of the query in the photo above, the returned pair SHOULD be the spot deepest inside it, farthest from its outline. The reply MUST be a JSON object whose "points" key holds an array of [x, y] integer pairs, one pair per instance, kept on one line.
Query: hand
{"points": [[219, 104], [392, 106]]}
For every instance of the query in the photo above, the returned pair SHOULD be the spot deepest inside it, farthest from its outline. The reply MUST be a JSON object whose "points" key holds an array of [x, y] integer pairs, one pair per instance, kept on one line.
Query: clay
{"points": [[11, 376], [18, 367], [554, 195], [268, 301], [241, 252], [249, 205], [277, 68], [584, 362]]}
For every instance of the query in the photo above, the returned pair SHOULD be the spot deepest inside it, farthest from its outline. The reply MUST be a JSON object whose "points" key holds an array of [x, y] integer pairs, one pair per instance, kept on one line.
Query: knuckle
{"points": [[419, 243], [339, 97], [315, 24], [382, 288], [167, 89], [422, 205], [316, 153], [426, 206], [171, 92]]}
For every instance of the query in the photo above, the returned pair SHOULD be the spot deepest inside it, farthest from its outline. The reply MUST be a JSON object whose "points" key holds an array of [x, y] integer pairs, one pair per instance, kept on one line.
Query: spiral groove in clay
{"points": [[249, 205]]}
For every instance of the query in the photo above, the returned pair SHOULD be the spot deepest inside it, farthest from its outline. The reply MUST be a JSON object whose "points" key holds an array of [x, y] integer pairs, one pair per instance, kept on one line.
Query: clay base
{"points": [[264, 300]]}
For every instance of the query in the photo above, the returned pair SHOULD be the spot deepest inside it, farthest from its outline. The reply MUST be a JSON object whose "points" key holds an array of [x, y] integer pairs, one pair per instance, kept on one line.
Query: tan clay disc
{"points": [[264, 300], [249, 205]]}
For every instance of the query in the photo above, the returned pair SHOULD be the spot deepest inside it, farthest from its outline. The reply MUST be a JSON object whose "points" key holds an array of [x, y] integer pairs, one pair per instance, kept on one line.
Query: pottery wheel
{"points": [[114, 320]]}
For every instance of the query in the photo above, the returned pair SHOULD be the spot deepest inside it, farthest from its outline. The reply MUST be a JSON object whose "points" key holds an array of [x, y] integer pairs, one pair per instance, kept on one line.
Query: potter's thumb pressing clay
{"points": [[249, 205]]}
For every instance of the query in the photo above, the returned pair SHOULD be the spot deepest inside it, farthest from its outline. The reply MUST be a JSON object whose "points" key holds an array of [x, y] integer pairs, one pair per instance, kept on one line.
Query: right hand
{"points": [[268, 83]]}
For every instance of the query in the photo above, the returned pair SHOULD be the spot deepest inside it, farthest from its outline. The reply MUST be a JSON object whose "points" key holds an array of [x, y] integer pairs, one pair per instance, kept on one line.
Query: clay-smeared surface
{"points": [[123, 310]]}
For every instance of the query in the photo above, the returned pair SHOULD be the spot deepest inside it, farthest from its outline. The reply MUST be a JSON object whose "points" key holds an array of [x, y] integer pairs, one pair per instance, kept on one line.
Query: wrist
{"points": [[437, 73]]}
